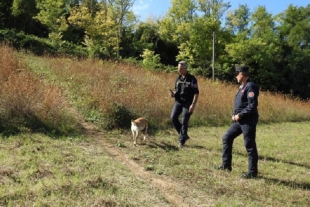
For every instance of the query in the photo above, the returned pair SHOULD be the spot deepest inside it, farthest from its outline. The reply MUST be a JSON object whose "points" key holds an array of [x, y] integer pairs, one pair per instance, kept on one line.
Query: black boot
{"points": [[222, 167], [249, 175]]}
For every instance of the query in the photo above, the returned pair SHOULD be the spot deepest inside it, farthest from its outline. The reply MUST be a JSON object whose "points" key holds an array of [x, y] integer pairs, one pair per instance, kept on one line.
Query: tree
{"points": [[5, 14], [237, 21], [105, 24], [192, 28], [214, 9], [258, 47], [100, 29], [122, 16], [175, 25], [24, 12], [145, 36], [53, 14], [294, 26], [294, 33]]}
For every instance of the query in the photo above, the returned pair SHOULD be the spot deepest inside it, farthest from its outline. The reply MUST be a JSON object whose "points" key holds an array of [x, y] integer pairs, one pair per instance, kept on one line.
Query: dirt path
{"points": [[165, 185], [176, 193]]}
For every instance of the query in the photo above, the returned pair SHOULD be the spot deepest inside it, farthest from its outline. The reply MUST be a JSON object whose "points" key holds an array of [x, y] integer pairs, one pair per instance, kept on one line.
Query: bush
{"points": [[70, 49], [150, 60], [117, 117], [30, 43], [41, 46]]}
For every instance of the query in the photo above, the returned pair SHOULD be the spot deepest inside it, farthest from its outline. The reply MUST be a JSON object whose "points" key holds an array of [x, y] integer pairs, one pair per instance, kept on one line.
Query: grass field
{"points": [[84, 156], [37, 170]]}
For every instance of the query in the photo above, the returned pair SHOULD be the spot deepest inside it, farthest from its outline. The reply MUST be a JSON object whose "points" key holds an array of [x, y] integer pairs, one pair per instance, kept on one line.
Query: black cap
{"points": [[242, 69]]}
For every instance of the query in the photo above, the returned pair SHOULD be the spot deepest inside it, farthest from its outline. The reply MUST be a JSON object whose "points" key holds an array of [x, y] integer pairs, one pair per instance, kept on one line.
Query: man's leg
{"points": [[249, 135], [228, 140], [184, 128], [175, 113]]}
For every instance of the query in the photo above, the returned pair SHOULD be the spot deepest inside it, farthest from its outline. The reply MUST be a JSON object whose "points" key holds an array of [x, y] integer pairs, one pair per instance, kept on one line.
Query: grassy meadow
{"points": [[46, 159]]}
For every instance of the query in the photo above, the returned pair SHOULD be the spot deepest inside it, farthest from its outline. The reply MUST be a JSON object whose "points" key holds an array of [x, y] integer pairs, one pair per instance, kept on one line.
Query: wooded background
{"points": [[275, 47]]}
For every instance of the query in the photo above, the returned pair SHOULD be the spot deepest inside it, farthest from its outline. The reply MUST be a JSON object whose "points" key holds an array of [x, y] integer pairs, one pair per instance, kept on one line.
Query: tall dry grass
{"points": [[28, 103], [110, 93]]}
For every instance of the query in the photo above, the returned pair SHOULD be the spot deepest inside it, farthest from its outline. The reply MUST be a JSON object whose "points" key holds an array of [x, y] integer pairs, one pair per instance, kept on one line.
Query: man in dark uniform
{"points": [[186, 95], [245, 119]]}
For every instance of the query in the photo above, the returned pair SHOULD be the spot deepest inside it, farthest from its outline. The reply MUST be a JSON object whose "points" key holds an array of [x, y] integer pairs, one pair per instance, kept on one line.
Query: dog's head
{"points": [[133, 122]]}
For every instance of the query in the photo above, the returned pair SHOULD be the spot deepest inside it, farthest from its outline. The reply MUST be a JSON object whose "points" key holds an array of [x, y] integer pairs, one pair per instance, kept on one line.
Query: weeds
{"points": [[28, 103], [107, 88]]}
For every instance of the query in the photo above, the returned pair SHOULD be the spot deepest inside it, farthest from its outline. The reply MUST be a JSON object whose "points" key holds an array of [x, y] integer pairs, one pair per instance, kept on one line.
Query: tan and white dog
{"points": [[139, 125]]}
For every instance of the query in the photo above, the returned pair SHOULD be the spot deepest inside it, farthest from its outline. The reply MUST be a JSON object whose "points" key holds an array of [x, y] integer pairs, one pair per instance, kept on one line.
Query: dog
{"points": [[139, 125]]}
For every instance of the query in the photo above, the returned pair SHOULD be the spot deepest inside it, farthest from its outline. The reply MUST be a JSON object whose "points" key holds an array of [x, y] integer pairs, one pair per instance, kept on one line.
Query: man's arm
{"points": [[192, 107], [195, 99]]}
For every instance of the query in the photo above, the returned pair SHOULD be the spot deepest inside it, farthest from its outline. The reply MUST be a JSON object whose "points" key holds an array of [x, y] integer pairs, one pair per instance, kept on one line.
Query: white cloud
{"points": [[140, 6]]}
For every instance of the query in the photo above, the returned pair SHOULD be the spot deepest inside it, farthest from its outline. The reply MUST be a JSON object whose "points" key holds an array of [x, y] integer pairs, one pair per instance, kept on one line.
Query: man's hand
{"points": [[191, 108], [235, 118]]}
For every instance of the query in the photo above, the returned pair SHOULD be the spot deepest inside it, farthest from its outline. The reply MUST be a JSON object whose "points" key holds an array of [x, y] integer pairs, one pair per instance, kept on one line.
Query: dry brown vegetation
{"points": [[110, 93], [28, 103]]}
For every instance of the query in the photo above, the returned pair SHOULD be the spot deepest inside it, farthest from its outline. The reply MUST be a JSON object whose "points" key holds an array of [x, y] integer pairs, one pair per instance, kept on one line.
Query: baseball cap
{"points": [[242, 69]]}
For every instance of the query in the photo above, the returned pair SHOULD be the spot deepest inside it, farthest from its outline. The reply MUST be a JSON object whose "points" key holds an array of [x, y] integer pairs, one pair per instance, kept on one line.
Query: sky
{"points": [[158, 8]]}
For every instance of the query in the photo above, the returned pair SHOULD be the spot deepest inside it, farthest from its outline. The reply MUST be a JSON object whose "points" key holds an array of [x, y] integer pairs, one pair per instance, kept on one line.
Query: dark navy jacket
{"points": [[186, 88], [246, 102]]}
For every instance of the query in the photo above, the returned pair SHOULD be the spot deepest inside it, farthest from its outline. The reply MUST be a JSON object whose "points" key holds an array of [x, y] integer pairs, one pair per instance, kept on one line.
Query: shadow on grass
{"points": [[171, 147], [199, 147], [271, 159], [291, 184], [163, 145]]}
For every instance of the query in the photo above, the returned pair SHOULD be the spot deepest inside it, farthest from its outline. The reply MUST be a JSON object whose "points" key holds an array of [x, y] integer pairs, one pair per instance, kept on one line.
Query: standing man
{"points": [[245, 118], [186, 95]]}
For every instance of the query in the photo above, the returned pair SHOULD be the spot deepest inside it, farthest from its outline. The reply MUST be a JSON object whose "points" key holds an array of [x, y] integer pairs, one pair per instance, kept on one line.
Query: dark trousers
{"points": [[249, 135], [181, 127]]}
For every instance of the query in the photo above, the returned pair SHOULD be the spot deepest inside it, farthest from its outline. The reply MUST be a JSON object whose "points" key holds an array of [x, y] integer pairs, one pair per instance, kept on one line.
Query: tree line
{"points": [[275, 47]]}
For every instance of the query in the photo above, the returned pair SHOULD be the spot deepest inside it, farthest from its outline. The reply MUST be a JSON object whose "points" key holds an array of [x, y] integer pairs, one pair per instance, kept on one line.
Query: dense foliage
{"points": [[276, 47]]}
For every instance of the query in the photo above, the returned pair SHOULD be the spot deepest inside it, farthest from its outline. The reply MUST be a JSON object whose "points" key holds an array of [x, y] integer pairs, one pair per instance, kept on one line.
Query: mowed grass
{"points": [[76, 171], [39, 171], [284, 167]]}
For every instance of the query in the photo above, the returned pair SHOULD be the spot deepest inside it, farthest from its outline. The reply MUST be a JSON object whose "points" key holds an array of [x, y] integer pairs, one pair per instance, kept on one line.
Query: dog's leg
{"points": [[144, 133], [135, 138]]}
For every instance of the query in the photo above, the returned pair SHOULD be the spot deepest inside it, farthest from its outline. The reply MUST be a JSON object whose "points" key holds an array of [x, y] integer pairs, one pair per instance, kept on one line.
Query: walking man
{"points": [[186, 96]]}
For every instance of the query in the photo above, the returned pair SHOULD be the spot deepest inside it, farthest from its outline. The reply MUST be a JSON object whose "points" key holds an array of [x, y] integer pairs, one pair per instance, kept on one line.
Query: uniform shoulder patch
{"points": [[251, 94]]}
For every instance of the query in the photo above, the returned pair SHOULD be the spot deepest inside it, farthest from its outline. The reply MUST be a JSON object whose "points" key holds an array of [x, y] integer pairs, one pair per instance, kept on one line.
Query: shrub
{"points": [[41, 46], [150, 60], [117, 117]]}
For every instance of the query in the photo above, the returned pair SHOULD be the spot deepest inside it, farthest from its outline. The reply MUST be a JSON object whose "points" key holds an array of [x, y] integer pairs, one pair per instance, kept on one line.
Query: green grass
{"points": [[38, 170], [283, 164]]}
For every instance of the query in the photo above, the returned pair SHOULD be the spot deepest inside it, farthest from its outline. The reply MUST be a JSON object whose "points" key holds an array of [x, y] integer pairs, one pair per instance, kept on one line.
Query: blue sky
{"points": [[158, 8]]}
